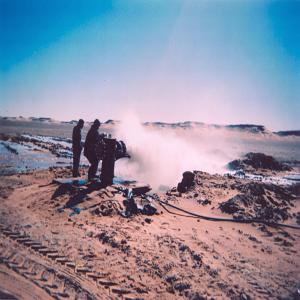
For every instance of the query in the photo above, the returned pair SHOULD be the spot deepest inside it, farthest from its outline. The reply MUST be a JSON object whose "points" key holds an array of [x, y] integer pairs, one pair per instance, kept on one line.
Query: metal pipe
{"points": [[108, 162]]}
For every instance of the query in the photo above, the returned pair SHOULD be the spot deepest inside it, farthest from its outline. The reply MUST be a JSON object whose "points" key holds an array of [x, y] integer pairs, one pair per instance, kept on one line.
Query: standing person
{"points": [[90, 149], [77, 147]]}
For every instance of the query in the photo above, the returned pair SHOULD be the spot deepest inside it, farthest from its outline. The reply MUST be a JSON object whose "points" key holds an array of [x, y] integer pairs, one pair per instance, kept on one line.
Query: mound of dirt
{"points": [[258, 161], [261, 201]]}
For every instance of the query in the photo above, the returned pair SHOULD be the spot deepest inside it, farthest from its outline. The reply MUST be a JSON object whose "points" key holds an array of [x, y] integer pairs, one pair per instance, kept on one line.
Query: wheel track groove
{"points": [[59, 284]]}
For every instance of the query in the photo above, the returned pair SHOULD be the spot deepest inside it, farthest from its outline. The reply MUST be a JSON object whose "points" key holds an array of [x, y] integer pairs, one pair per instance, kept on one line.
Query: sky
{"points": [[223, 62]]}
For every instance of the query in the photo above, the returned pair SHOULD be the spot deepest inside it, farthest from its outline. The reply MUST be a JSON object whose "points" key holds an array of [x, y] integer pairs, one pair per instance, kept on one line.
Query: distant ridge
{"points": [[189, 124], [251, 128], [74, 122], [112, 122], [248, 127], [41, 119], [288, 133], [186, 124]]}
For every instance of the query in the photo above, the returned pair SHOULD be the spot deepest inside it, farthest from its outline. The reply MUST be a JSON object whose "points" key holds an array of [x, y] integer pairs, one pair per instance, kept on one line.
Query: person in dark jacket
{"points": [[91, 140], [77, 147]]}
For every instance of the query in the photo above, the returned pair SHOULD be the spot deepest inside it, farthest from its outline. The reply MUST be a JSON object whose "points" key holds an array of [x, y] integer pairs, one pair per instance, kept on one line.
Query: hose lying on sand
{"points": [[194, 215]]}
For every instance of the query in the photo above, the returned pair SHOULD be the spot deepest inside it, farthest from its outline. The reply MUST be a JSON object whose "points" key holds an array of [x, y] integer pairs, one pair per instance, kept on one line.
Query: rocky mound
{"points": [[258, 161], [261, 201]]}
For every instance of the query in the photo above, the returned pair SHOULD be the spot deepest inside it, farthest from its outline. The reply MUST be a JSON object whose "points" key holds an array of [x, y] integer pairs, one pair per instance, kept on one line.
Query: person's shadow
{"points": [[76, 193]]}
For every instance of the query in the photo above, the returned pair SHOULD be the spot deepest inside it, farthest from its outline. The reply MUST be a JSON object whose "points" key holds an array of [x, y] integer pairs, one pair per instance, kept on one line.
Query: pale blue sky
{"points": [[211, 61]]}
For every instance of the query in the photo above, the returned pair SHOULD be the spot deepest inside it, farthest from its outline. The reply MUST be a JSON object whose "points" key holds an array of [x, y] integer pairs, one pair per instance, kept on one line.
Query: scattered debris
{"points": [[76, 211], [107, 208], [143, 205], [204, 201]]}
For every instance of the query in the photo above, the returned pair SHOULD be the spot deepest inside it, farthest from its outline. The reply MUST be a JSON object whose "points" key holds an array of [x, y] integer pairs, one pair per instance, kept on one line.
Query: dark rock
{"points": [[90, 234], [181, 286], [233, 205], [110, 239], [197, 257], [196, 296], [107, 208], [171, 279], [244, 296], [285, 243], [253, 238], [148, 220], [206, 201], [183, 247], [149, 210], [298, 218], [186, 182]]}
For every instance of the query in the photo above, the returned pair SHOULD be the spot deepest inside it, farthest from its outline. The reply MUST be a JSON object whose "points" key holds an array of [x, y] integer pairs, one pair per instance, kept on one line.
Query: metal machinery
{"points": [[109, 150]]}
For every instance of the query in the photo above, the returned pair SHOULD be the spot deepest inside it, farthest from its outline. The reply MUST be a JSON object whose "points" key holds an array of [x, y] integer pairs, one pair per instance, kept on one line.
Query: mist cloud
{"points": [[160, 156]]}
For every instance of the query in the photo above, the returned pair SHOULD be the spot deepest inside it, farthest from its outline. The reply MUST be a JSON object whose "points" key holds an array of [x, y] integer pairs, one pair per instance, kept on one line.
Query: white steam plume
{"points": [[159, 157]]}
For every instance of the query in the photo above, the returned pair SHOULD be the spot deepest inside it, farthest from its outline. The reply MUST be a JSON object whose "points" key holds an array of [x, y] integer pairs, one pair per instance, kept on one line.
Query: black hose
{"points": [[192, 214], [177, 214]]}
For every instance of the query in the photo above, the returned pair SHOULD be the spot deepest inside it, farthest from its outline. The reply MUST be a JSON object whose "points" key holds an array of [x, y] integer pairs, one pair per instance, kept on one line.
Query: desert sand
{"points": [[70, 241]]}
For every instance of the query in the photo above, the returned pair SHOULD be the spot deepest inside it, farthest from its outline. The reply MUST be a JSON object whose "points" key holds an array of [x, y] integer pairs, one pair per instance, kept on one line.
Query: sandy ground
{"points": [[47, 252]]}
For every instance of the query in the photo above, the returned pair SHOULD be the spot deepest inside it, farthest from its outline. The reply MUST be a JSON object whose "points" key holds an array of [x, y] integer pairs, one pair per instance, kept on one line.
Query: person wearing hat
{"points": [[91, 140], [77, 147]]}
